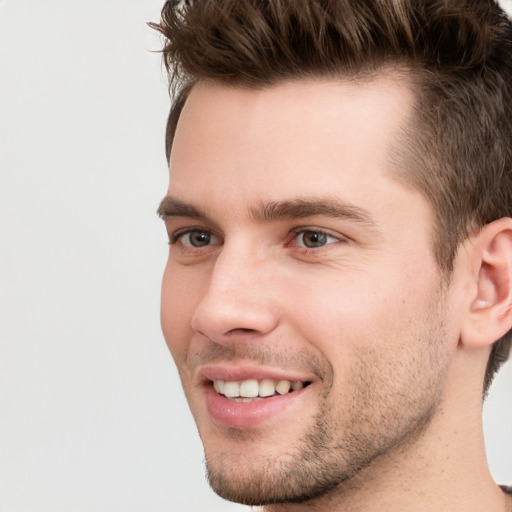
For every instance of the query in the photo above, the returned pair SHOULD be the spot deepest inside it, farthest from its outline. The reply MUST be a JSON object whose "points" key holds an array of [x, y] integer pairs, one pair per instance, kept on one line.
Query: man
{"points": [[338, 294]]}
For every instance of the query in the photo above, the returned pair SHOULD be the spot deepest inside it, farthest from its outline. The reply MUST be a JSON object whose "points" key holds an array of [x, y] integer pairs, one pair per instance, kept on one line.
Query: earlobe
{"points": [[490, 312]]}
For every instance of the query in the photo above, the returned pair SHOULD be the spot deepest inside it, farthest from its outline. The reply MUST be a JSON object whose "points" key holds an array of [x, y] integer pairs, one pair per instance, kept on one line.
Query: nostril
{"points": [[241, 330]]}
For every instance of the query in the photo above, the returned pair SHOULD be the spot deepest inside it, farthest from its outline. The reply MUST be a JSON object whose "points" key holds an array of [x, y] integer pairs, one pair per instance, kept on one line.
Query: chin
{"points": [[321, 460], [260, 482]]}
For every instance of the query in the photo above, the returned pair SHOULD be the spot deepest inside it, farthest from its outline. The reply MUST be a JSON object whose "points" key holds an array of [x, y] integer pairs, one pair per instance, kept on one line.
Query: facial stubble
{"points": [[387, 404]]}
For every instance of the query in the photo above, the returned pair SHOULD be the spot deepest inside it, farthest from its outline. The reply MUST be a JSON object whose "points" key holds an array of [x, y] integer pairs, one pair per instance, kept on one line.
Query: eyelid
{"points": [[177, 235], [313, 229]]}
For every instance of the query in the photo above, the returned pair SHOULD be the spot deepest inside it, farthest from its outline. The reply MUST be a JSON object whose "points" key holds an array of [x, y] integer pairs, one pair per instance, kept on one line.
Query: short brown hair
{"points": [[458, 54]]}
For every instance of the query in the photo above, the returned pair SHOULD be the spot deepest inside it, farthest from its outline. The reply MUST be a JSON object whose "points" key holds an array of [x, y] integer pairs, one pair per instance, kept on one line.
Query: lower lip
{"points": [[247, 414]]}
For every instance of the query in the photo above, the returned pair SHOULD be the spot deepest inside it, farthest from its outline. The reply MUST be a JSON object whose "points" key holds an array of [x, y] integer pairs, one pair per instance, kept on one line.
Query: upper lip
{"points": [[244, 371]]}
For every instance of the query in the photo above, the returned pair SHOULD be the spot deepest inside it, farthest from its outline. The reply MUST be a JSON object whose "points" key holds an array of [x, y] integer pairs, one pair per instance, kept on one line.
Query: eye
{"points": [[312, 239], [194, 238]]}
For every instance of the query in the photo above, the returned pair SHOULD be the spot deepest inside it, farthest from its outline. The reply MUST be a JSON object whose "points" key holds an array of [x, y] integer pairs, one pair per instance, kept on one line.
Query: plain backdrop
{"points": [[92, 416]]}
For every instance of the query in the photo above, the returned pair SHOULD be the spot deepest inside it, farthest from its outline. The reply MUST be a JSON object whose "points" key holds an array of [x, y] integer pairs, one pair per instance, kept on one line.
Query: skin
{"points": [[365, 315]]}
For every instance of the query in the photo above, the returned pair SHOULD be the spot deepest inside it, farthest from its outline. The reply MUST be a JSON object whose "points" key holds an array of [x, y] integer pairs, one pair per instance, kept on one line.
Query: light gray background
{"points": [[92, 416]]}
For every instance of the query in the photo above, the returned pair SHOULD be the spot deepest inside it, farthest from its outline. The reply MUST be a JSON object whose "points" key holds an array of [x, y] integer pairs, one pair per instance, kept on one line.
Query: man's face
{"points": [[298, 261]]}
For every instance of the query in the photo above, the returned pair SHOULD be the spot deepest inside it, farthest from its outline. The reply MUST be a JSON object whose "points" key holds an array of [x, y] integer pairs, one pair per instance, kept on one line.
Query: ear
{"points": [[490, 306]]}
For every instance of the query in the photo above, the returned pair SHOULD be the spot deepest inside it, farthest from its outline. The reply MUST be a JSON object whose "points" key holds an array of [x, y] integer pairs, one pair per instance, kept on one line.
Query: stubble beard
{"points": [[324, 462], [387, 405]]}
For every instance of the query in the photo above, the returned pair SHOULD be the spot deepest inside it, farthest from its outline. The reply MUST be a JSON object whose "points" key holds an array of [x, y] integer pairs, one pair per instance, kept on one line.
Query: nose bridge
{"points": [[238, 295]]}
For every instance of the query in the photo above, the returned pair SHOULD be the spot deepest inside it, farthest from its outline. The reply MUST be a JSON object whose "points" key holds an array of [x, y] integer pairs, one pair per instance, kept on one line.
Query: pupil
{"points": [[199, 239], [314, 239]]}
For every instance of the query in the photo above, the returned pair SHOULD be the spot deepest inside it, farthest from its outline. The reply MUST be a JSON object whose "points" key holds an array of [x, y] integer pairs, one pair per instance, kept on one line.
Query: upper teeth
{"points": [[253, 388]]}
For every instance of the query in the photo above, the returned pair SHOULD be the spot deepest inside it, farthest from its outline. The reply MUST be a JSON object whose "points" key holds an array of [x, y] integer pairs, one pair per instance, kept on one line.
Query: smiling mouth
{"points": [[251, 390]]}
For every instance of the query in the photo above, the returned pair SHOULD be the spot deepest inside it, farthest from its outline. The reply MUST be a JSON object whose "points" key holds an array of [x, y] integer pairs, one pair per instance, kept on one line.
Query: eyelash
{"points": [[316, 231], [179, 235]]}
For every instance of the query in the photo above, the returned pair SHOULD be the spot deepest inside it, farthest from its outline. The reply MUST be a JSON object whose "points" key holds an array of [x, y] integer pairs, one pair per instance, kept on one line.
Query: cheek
{"points": [[341, 311], [178, 302]]}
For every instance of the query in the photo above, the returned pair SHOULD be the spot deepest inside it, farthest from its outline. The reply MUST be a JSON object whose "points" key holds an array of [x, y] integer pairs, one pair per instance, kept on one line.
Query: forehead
{"points": [[297, 138]]}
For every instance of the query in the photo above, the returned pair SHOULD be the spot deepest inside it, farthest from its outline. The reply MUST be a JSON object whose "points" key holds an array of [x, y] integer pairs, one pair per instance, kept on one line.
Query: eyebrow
{"points": [[172, 207], [301, 208], [298, 208]]}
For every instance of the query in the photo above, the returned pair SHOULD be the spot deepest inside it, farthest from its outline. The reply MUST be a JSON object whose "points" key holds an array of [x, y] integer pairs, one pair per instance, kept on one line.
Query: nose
{"points": [[239, 299]]}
